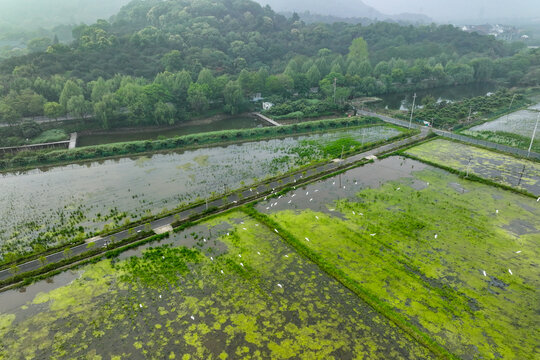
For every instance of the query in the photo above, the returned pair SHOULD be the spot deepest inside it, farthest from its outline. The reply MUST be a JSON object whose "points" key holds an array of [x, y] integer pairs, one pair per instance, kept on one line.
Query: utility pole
{"points": [[533, 134], [511, 102], [335, 83], [412, 110]]}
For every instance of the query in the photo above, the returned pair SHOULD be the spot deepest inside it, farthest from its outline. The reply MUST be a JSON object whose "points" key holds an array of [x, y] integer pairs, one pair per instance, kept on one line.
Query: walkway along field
{"points": [[12, 275]]}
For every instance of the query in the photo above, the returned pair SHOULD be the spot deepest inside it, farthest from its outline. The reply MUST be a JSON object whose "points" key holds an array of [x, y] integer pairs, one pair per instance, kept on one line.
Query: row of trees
{"points": [[159, 62]]}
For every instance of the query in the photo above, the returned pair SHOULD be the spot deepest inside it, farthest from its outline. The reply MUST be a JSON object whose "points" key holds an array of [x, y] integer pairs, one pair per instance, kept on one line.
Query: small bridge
{"points": [[67, 144], [267, 119]]}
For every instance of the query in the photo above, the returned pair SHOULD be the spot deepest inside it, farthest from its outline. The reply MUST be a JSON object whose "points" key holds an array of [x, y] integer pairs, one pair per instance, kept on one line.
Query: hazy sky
{"points": [[460, 9]]}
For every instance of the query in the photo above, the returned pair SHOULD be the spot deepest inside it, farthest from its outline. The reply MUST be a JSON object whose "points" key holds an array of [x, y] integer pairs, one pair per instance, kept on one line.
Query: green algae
{"points": [[423, 253], [225, 302], [499, 168]]}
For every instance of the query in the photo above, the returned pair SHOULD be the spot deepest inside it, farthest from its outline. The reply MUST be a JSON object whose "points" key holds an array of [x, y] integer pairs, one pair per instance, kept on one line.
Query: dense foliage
{"points": [[159, 62]]}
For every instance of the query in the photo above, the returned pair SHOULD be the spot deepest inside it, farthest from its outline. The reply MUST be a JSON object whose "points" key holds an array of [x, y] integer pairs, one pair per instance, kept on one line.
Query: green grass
{"points": [[52, 135], [435, 285], [500, 168], [213, 291], [505, 138]]}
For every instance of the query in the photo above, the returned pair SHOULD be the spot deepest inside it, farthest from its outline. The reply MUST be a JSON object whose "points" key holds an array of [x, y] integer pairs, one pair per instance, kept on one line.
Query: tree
{"points": [[172, 61], [53, 110], [234, 98], [78, 106], [8, 115], [105, 110], [99, 89], [313, 75], [164, 113], [197, 97], [71, 89], [39, 44], [358, 50]]}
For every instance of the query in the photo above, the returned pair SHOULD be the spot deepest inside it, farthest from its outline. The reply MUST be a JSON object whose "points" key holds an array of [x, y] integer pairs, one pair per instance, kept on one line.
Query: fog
{"points": [[474, 11]]}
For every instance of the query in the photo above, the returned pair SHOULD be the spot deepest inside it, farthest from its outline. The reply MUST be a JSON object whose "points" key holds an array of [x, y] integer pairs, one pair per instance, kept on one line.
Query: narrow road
{"points": [[259, 191]]}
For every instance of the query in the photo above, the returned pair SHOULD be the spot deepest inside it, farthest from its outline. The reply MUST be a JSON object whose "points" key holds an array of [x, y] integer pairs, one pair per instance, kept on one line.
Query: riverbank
{"points": [[24, 161]]}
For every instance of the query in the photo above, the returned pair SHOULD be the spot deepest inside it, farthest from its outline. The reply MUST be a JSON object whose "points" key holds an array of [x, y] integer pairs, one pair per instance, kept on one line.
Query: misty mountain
{"points": [[32, 14], [341, 9]]}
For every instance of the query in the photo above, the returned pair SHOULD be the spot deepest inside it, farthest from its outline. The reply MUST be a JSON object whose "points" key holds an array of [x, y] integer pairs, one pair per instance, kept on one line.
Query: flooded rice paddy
{"points": [[54, 205], [228, 288], [520, 123], [500, 168], [459, 259]]}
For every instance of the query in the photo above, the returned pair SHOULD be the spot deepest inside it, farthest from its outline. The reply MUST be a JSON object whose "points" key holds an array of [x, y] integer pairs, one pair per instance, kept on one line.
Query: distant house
{"points": [[256, 97], [314, 90], [267, 105]]}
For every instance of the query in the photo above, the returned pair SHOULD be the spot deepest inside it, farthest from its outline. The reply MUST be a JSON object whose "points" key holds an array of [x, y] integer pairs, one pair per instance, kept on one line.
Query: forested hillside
{"points": [[160, 62]]}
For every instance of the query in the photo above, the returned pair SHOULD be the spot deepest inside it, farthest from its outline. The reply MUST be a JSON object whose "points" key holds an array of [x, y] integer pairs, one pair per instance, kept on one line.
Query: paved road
{"points": [[258, 191], [451, 135]]}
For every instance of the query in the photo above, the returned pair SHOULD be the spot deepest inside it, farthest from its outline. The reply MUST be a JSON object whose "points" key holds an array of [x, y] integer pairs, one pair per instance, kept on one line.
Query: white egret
{"points": [[334, 183], [289, 201], [268, 208], [510, 271], [293, 195], [222, 272], [436, 236], [244, 228], [317, 190], [160, 296], [316, 217], [192, 318], [227, 234], [307, 239], [212, 258], [140, 305], [496, 211], [242, 265], [239, 255], [276, 231], [484, 271], [517, 252], [353, 213], [373, 234], [258, 253], [311, 199], [307, 193], [398, 188], [280, 286]]}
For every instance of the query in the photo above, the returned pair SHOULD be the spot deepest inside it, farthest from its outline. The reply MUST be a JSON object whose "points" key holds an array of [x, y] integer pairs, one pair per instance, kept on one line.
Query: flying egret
{"points": [[398, 188], [484, 272], [373, 234], [235, 201], [280, 286], [517, 252], [510, 271], [361, 214], [289, 201], [307, 239]]}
